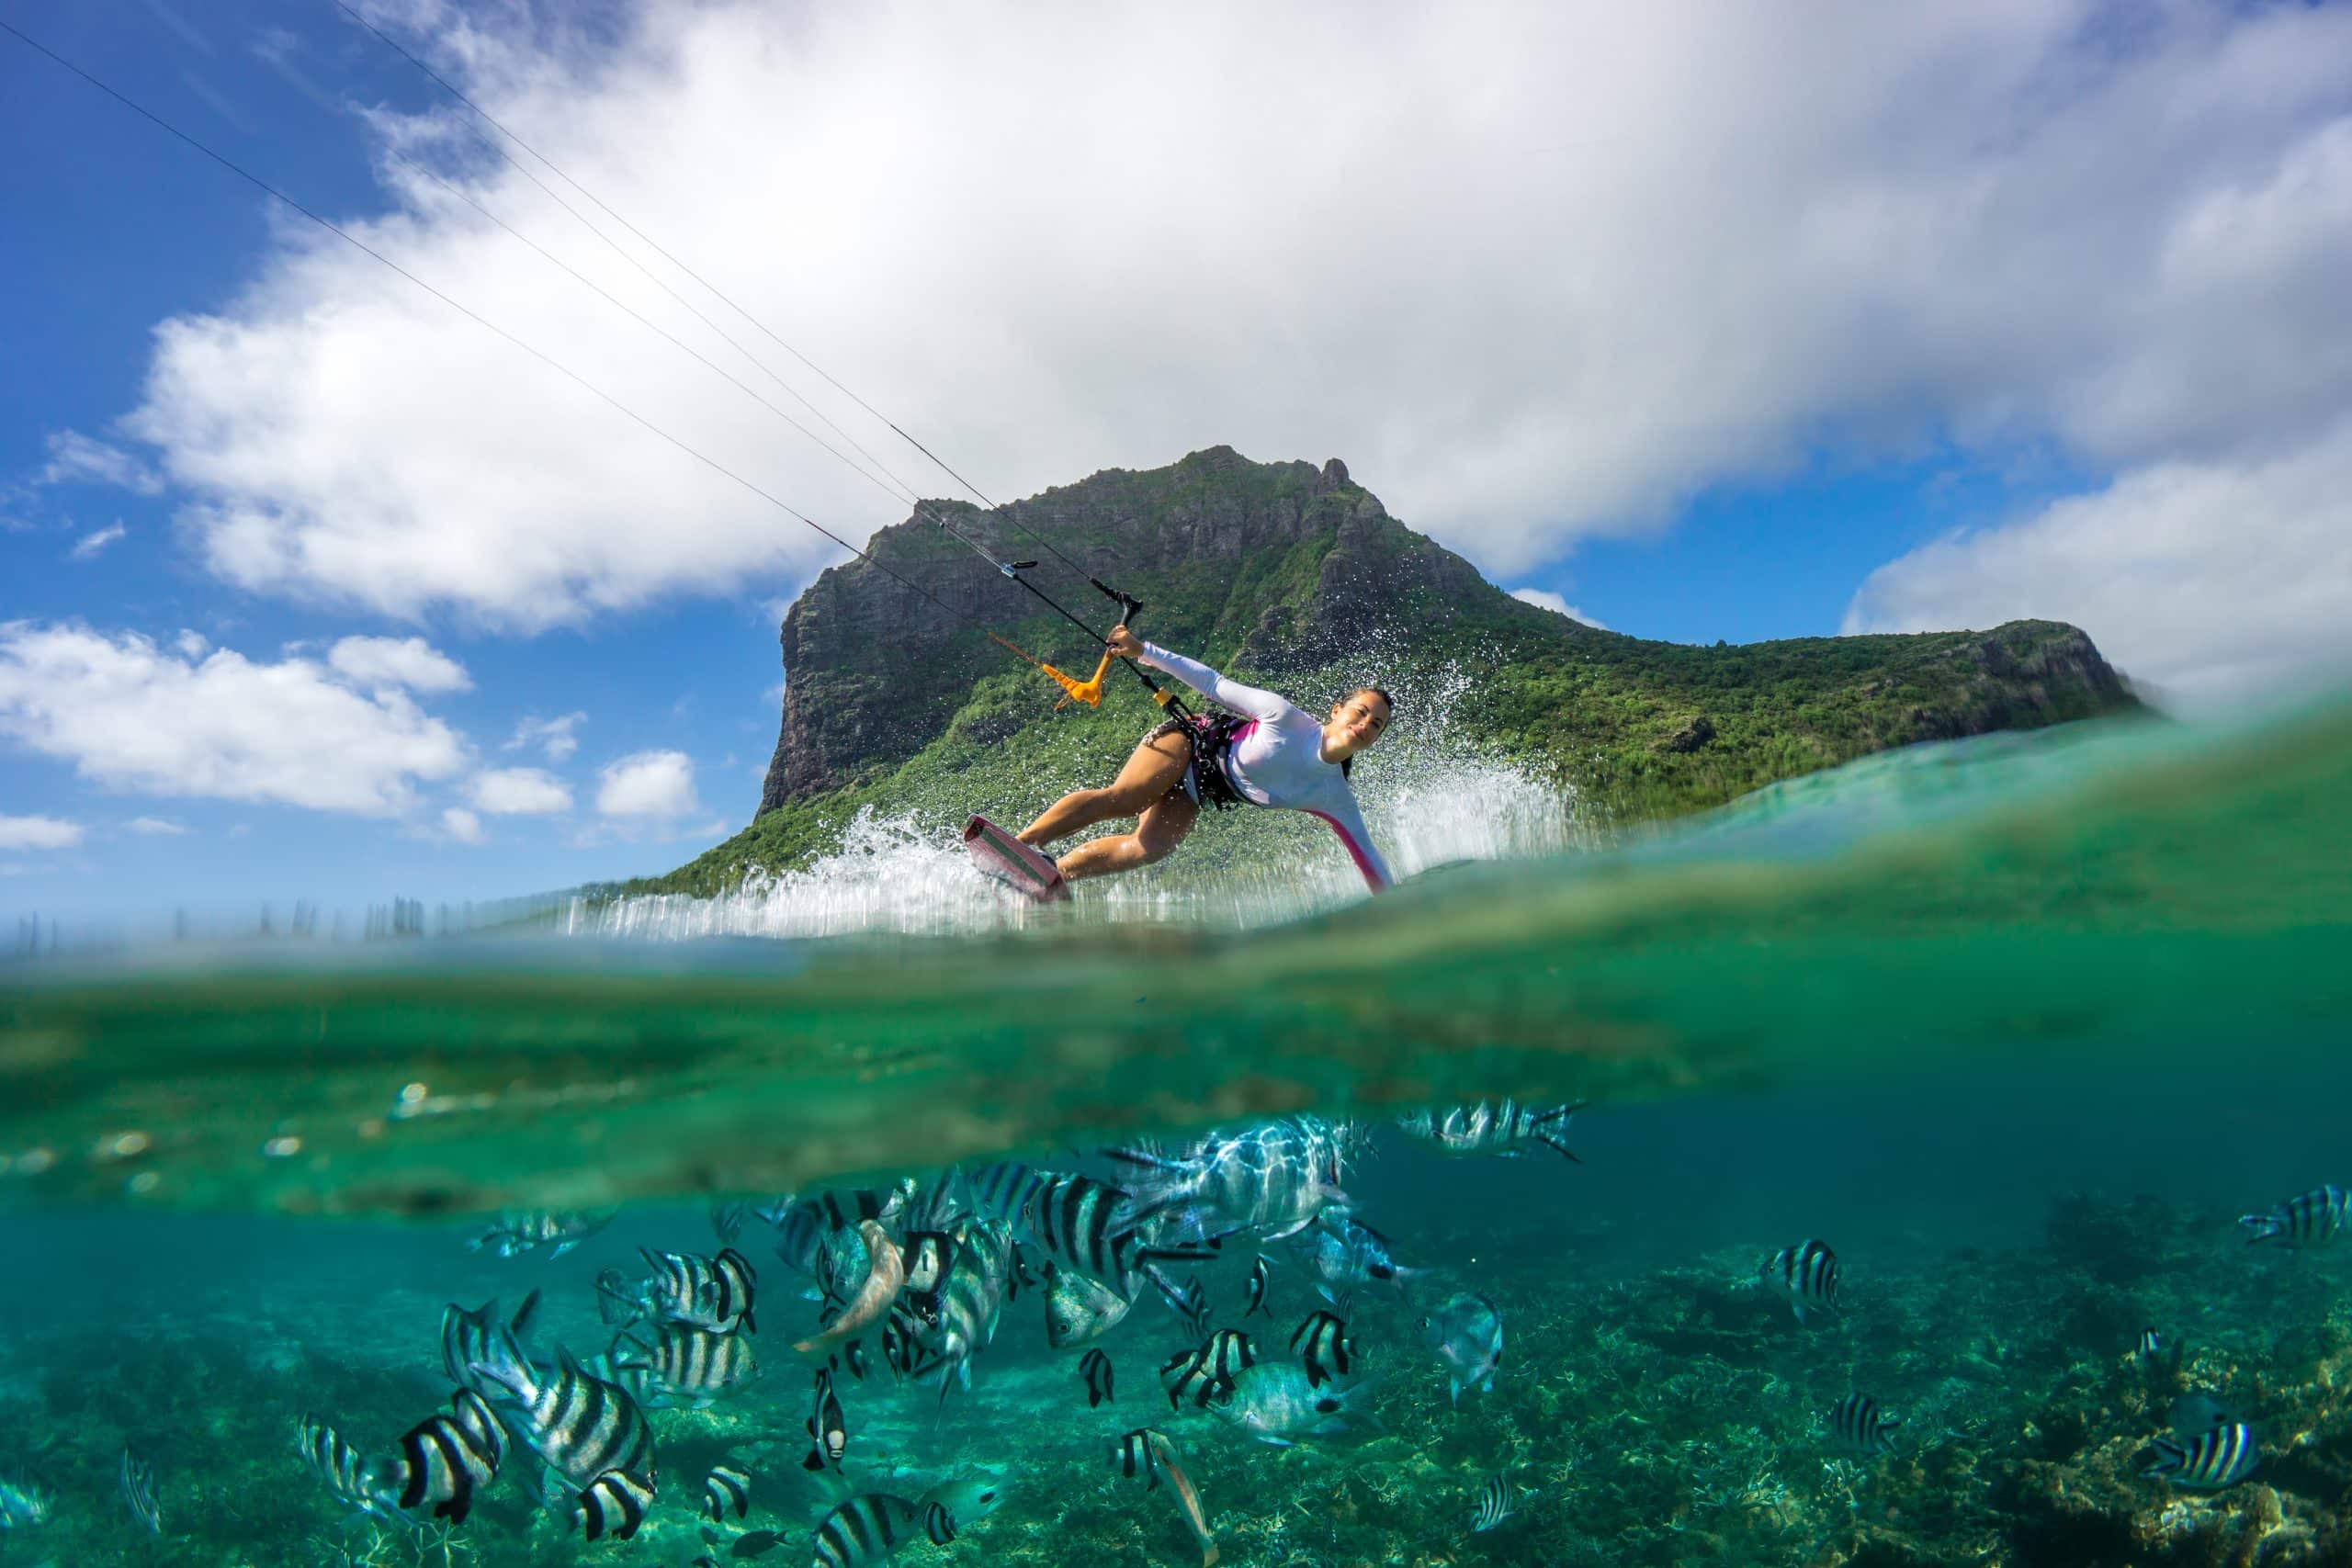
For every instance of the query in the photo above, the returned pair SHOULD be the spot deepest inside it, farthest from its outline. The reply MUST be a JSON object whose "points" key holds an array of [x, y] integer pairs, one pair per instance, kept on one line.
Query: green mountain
{"points": [[1296, 578]]}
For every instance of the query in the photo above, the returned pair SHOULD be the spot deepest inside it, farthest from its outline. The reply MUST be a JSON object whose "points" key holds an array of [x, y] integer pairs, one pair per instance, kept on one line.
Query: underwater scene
{"points": [[1942, 1159]]}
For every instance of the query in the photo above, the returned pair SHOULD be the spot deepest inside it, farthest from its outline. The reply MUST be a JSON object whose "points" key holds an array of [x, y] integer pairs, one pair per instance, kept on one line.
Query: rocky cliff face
{"points": [[1266, 566]]}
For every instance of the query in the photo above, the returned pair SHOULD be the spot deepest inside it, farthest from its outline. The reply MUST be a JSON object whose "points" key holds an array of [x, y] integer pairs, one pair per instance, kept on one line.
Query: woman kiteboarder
{"points": [[1264, 752]]}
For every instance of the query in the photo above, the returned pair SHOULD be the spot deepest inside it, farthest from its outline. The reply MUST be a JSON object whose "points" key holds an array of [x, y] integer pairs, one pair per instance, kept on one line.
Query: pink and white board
{"points": [[1000, 854]]}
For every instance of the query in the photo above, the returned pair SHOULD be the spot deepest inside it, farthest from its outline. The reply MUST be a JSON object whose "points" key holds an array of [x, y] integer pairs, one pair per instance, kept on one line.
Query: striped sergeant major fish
{"points": [[701, 1292], [1207, 1374], [1497, 1501], [338, 1464], [562, 1229], [2151, 1345], [584, 1428], [1145, 1451], [482, 1338], [927, 1256], [959, 1320], [726, 1490], [871, 1527], [1274, 1177], [1261, 1277], [688, 1369], [1192, 1304], [1003, 1190], [1806, 1274], [1322, 1345], [828, 1427], [2308, 1219], [1095, 1368], [1858, 1423], [445, 1459], [613, 1504], [1502, 1129], [2222, 1457], [138, 1479], [1084, 1224]]}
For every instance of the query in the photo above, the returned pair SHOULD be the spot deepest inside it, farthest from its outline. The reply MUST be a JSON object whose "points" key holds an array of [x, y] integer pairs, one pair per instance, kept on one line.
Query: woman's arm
{"points": [[1262, 705], [1346, 820]]}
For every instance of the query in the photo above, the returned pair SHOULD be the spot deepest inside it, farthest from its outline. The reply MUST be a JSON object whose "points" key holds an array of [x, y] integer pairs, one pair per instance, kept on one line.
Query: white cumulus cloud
{"points": [[176, 721], [1538, 273], [648, 784], [2213, 581], [38, 833], [462, 825], [1555, 602], [518, 792], [408, 661], [157, 827]]}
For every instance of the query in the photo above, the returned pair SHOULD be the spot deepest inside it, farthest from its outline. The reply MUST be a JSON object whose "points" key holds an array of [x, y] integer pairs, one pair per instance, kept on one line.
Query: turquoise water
{"points": [[2018, 1027]]}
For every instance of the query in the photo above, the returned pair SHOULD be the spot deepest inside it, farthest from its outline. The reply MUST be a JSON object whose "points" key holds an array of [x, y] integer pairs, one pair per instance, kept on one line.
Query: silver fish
{"points": [[1078, 1309], [1466, 1334], [562, 1229], [137, 1478], [1502, 1129], [1274, 1403], [1339, 1254]]}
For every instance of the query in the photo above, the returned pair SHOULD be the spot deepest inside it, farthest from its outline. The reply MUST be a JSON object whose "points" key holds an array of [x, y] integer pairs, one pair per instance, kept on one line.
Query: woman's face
{"points": [[1357, 723]]}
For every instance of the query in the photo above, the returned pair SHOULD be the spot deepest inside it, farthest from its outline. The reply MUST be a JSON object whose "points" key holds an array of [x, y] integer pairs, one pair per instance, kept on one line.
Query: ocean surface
{"points": [[1981, 1053]]}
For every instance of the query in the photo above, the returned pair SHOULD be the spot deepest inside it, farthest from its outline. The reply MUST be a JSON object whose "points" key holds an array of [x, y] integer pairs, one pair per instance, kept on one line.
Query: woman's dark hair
{"points": [[1348, 764]]}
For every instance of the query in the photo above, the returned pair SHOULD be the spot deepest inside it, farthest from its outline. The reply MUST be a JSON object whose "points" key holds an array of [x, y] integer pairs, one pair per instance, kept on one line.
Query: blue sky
{"points": [[1797, 346]]}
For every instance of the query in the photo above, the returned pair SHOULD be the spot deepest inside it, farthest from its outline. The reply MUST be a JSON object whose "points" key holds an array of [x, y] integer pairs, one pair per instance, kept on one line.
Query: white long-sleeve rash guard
{"points": [[1277, 759]]}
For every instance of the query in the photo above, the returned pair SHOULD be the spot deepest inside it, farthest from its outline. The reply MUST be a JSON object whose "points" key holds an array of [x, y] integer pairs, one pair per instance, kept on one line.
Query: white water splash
{"points": [[1432, 795]]}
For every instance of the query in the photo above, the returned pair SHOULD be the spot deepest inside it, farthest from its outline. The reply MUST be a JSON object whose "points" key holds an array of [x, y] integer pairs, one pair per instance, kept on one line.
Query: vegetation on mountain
{"points": [[1295, 578]]}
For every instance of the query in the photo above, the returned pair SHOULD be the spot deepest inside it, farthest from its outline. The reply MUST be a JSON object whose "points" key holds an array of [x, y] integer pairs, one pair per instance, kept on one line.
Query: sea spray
{"points": [[1433, 794]]}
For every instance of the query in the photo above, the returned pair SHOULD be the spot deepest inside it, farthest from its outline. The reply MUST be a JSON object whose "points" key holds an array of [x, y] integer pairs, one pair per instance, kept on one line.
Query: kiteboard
{"points": [[1000, 855]]}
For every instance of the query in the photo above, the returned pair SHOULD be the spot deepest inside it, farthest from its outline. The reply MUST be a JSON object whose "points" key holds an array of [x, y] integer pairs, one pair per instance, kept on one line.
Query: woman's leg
{"points": [[1157, 767], [1161, 828]]}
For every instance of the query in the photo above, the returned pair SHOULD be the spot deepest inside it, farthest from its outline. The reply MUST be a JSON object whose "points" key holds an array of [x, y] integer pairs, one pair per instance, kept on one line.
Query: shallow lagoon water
{"points": [[2020, 1026]]}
